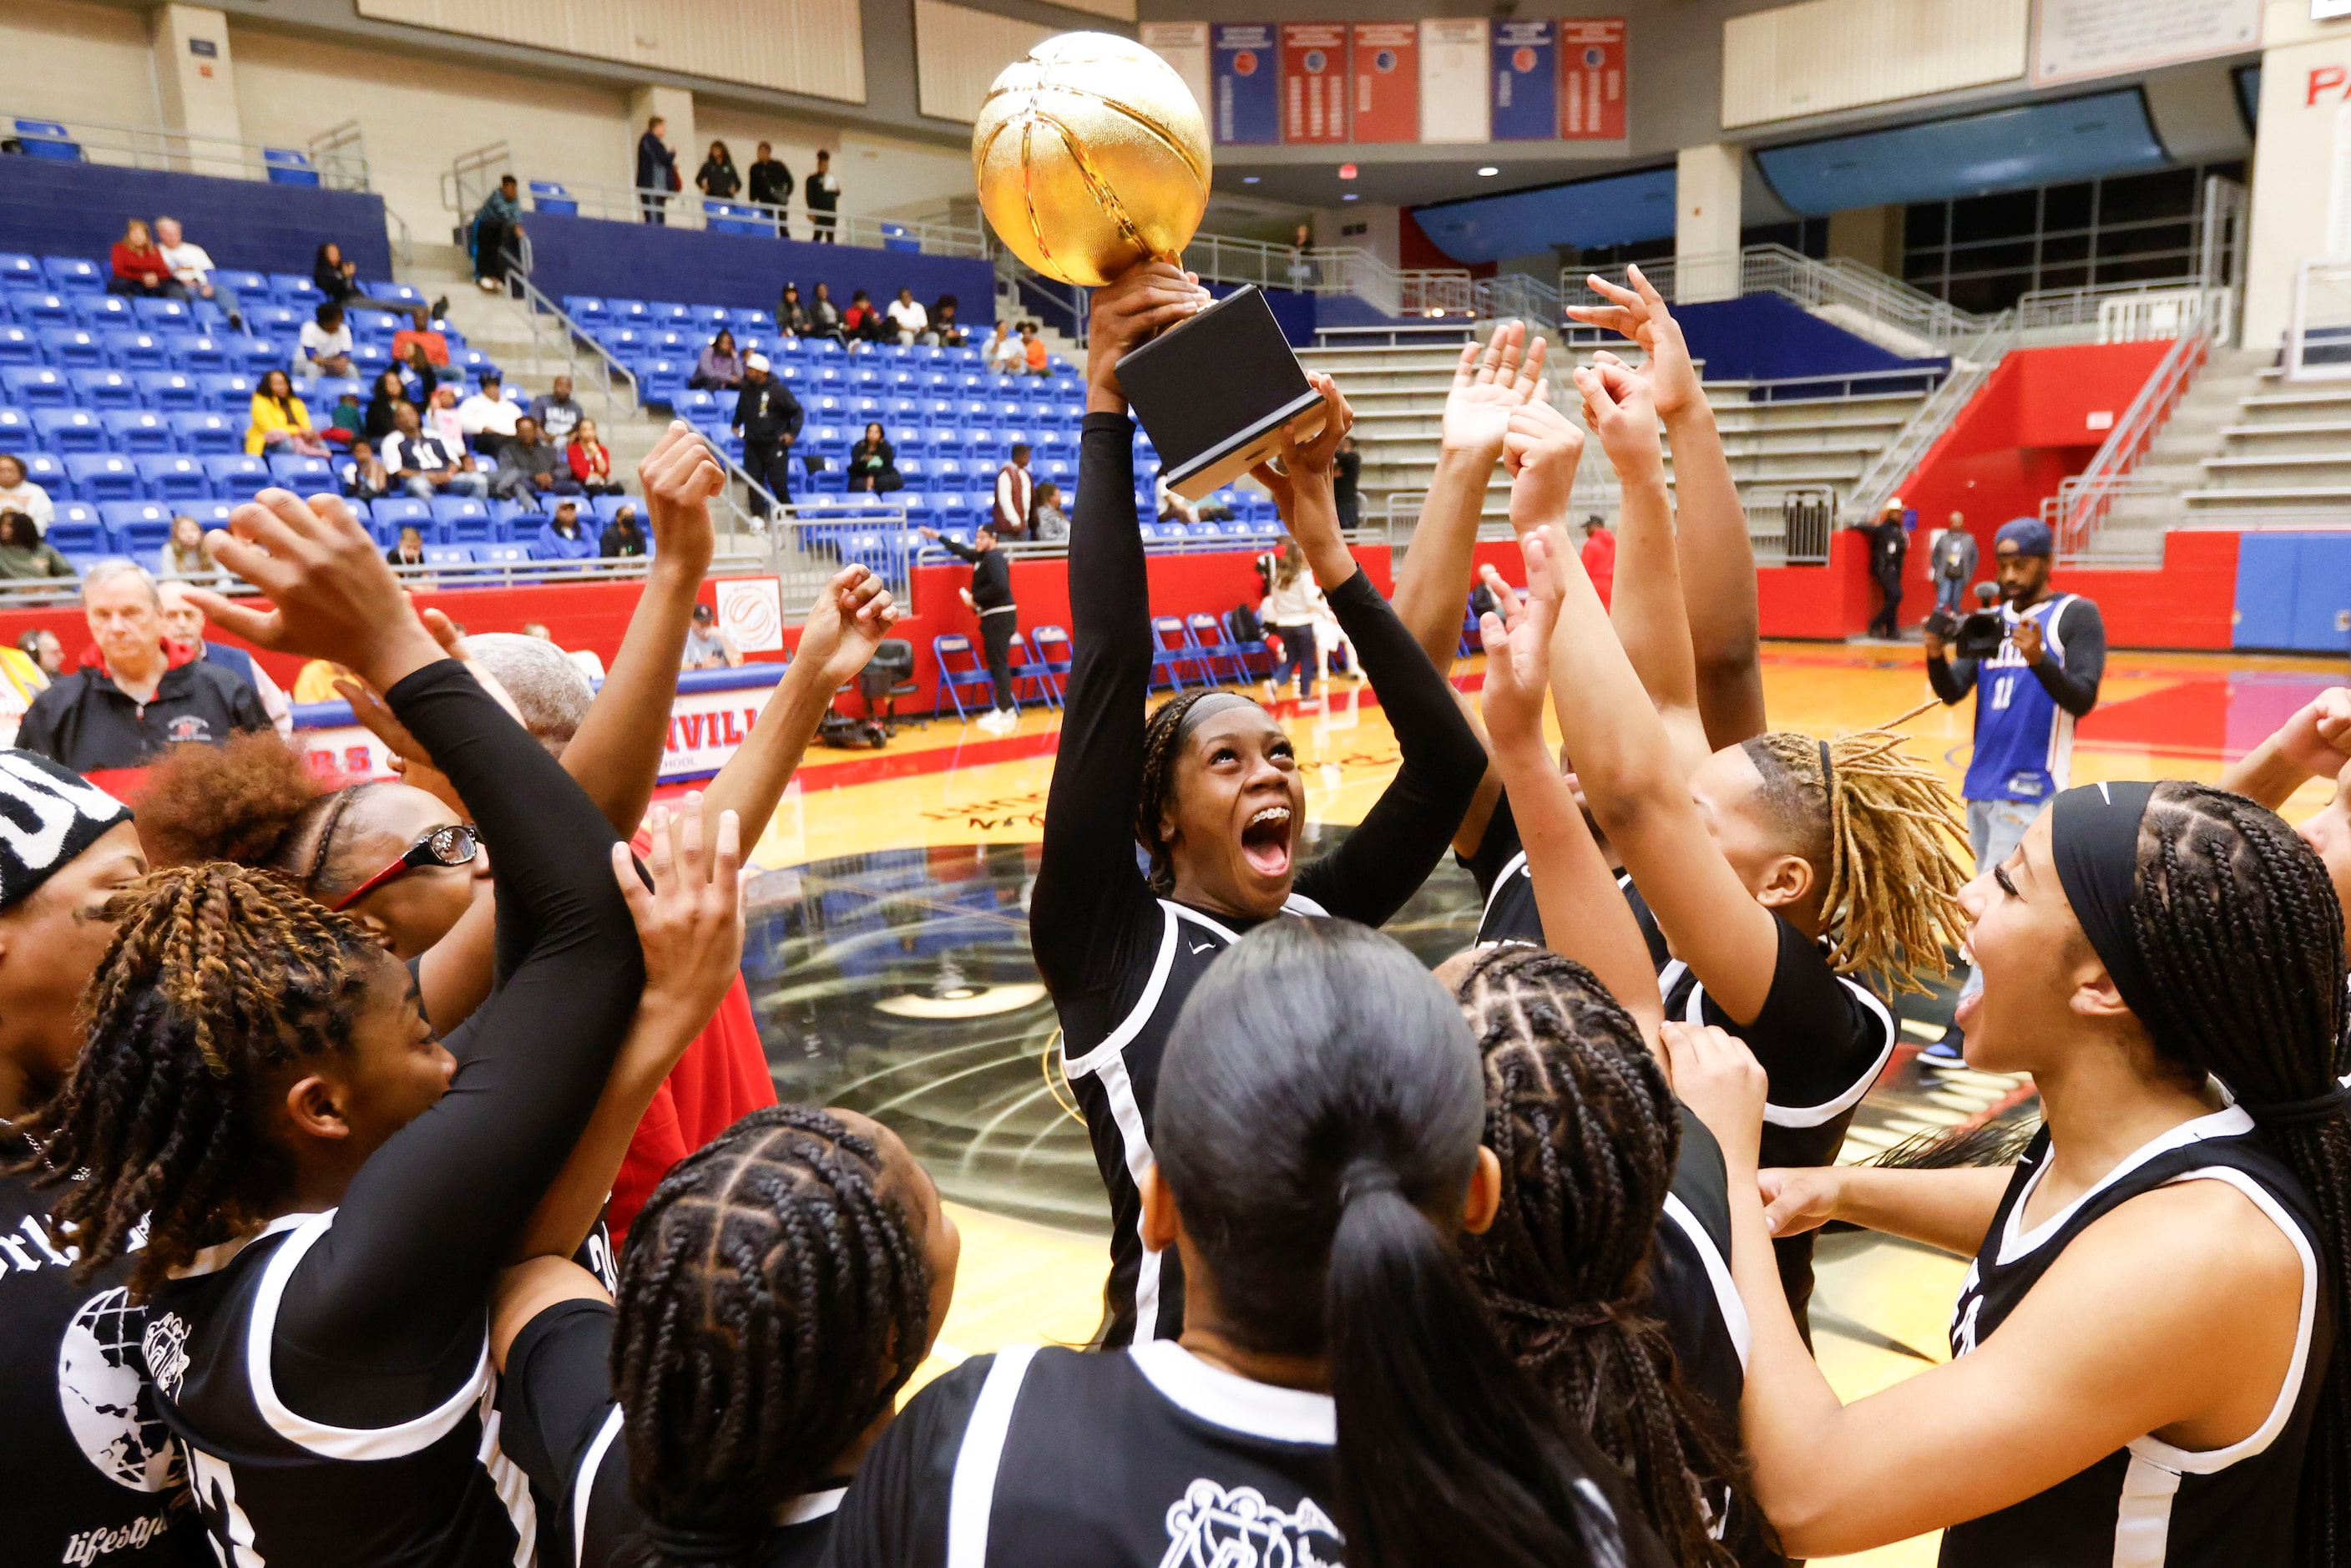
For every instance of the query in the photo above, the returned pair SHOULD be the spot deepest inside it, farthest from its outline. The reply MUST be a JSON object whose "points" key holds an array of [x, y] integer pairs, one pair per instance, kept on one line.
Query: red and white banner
{"points": [[1388, 81], [1313, 82], [1592, 78]]}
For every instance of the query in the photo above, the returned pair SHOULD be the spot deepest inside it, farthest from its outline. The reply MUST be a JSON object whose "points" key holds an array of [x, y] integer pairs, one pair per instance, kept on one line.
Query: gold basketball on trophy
{"points": [[1091, 155]]}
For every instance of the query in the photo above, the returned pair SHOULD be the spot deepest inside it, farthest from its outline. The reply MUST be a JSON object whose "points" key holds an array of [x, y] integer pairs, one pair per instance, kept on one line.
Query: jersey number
{"points": [[2002, 690]]}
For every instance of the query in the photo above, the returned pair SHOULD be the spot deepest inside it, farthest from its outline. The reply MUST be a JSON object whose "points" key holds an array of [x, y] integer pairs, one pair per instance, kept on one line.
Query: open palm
{"points": [[1640, 313], [1487, 384]]}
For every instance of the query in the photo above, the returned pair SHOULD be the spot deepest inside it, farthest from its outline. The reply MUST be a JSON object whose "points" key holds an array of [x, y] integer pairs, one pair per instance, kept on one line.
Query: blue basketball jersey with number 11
{"points": [[2024, 741]]}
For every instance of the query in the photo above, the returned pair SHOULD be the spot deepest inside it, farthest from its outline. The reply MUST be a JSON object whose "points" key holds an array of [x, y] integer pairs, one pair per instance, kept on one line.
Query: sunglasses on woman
{"points": [[455, 845]]}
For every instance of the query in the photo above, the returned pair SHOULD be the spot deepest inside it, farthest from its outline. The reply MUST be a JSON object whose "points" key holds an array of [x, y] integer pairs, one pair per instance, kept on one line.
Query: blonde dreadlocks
{"points": [[1873, 827]]}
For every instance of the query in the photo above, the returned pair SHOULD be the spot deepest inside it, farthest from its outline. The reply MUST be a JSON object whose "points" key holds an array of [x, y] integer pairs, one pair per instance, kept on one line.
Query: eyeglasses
{"points": [[451, 846]]}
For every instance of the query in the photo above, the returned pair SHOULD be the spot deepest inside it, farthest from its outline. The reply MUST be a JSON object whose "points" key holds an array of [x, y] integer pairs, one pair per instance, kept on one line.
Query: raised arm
{"points": [[2314, 743], [1087, 866]]}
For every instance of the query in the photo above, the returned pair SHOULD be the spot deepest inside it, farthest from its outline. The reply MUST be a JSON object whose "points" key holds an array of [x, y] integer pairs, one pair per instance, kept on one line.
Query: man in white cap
{"points": [[768, 417]]}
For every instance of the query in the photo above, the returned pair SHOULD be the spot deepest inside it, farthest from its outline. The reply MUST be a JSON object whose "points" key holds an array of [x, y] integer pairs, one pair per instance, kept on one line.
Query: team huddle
{"points": [[311, 1126]]}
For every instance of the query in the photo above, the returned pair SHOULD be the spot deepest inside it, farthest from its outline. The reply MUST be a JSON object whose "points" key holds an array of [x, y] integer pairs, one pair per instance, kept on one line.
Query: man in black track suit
{"points": [[768, 417]]}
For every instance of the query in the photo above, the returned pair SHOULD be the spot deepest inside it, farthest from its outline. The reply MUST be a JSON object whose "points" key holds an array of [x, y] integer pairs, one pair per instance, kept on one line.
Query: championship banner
{"points": [[1526, 81], [1185, 46], [1455, 74], [1313, 82], [1388, 81], [711, 716], [1592, 78], [1246, 110]]}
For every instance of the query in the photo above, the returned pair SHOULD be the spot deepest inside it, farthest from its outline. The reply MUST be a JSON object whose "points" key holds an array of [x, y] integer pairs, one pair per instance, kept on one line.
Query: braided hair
{"points": [[1163, 745], [1578, 1114], [2241, 938], [217, 978], [252, 802], [1872, 825], [773, 1300]]}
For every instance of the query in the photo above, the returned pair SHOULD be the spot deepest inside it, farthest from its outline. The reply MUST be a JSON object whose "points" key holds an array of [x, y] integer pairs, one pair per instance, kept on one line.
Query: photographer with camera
{"points": [[2024, 728]]}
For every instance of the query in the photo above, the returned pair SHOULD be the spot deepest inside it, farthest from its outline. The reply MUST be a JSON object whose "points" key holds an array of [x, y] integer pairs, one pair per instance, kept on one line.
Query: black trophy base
{"points": [[1219, 392]]}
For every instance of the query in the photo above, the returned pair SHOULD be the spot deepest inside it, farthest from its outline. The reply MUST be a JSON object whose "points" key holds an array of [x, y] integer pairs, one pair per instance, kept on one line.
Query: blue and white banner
{"points": [[1526, 81], [1244, 76]]}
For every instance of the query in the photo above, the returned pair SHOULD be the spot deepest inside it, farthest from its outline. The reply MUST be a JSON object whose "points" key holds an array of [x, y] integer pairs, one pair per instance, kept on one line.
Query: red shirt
{"points": [[721, 1079], [144, 266], [1600, 562]]}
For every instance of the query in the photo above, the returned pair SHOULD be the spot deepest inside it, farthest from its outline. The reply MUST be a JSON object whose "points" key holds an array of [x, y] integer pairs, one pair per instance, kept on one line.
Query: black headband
{"points": [[2095, 841], [1828, 778], [1207, 705]]}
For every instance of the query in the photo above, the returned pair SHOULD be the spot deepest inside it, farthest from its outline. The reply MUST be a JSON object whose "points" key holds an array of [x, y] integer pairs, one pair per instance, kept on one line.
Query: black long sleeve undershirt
{"points": [[991, 574], [397, 1287], [1092, 902], [2072, 685]]}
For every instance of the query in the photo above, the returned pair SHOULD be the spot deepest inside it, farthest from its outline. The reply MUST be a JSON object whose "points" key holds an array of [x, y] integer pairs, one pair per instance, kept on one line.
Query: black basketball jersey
{"points": [[1509, 915], [1116, 1078], [276, 1487], [1689, 1273], [1146, 1457], [2150, 1505], [91, 1474]]}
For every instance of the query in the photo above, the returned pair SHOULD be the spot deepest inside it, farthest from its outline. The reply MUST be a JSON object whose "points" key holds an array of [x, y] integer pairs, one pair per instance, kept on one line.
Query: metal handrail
{"points": [[569, 337], [1815, 285], [2043, 309], [472, 175], [1973, 360], [688, 209], [2083, 501], [338, 154]]}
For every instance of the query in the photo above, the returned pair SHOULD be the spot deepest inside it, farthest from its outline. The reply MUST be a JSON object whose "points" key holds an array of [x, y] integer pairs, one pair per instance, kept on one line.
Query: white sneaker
{"points": [[1000, 718], [489, 284]]}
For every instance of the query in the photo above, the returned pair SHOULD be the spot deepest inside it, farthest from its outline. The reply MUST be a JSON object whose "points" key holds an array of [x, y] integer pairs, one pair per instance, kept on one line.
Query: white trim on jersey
{"points": [[1510, 868], [811, 1506], [1796, 1116], [971, 1495], [1131, 1024], [583, 1482], [2015, 1241], [507, 1478], [1127, 1111], [339, 1442], [2143, 1514], [1718, 1274], [220, 1254], [1237, 1403]]}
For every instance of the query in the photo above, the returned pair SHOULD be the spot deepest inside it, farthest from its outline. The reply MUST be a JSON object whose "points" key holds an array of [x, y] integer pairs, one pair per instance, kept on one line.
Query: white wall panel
{"points": [[89, 63], [810, 47], [959, 51], [1826, 54]]}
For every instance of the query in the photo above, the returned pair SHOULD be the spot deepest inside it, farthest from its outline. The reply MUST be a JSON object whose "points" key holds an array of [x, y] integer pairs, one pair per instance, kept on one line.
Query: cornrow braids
{"points": [[1580, 1116], [1162, 744], [217, 976], [2241, 938], [1874, 825], [773, 1300]]}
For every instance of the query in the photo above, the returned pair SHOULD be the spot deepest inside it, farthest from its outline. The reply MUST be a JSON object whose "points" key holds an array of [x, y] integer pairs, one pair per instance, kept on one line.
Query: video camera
{"points": [[1977, 635]]}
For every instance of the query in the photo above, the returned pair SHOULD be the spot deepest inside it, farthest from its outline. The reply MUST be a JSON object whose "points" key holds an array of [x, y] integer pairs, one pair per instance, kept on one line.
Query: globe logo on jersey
{"points": [[1244, 63], [1522, 59], [103, 1390], [1594, 55], [1315, 60], [1384, 61], [1213, 1528]]}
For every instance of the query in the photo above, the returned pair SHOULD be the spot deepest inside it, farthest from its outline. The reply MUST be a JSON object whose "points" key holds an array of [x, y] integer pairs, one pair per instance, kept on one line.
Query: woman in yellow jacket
{"points": [[280, 419]]}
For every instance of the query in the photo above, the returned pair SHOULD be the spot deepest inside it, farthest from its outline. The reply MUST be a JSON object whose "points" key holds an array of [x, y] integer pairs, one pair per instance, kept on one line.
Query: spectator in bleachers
{"points": [[339, 280], [1016, 488], [186, 553], [707, 647], [130, 699], [1007, 352], [792, 314], [1033, 358], [363, 473], [560, 536], [278, 420], [656, 172], [873, 464], [824, 198], [410, 550], [861, 319], [185, 624], [824, 316], [1346, 471], [344, 423], [908, 317], [327, 341], [771, 186], [488, 418], [137, 269], [1293, 603], [720, 367], [1048, 524], [557, 412], [1599, 557], [946, 330], [717, 178], [1170, 507], [48, 654], [440, 418], [768, 417], [1889, 547], [421, 348], [1953, 556], [19, 494], [497, 229], [623, 537], [25, 554], [590, 462], [193, 269], [529, 464], [389, 393], [422, 464]]}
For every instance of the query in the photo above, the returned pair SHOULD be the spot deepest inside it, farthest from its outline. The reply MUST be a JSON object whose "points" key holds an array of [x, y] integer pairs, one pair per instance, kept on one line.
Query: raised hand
{"points": [[1143, 300], [850, 616], [1621, 411], [691, 922], [410, 760], [1640, 313], [681, 476], [1517, 635], [335, 596], [1303, 478], [1489, 384], [1722, 1083], [2317, 739], [1540, 450]]}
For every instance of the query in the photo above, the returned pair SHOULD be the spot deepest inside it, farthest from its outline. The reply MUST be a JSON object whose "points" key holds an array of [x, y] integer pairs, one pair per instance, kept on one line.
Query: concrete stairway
{"points": [[2280, 447], [2168, 480]]}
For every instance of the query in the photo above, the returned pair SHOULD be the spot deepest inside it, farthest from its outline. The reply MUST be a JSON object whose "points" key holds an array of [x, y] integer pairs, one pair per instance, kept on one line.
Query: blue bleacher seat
{"points": [[213, 513], [103, 476], [175, 477], [295, 472], [16, 428], [139, 429], [77, 530], [173, 389], [384, 288], [547, 196], [163, 315], [47, 309], [255, 355], [587, 310], [373, 325], [289, 166], [237, 476], [207, 433], [139, 528], [461, 520], [19, 346], [64, 430], [200, 352], [508, 515], [70, 346], [393, 513], [607, 508], [20, 271], [73, 274], [104, 312], [271, 320], [629, 312], [47, 139], [448, 555], [294, 289], [669, 312], [249, 285], [231, 392], [104, 388]]}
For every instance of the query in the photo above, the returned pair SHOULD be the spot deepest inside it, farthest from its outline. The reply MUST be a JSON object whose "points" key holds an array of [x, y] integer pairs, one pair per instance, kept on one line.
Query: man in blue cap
{"points": [[2028, 696]]}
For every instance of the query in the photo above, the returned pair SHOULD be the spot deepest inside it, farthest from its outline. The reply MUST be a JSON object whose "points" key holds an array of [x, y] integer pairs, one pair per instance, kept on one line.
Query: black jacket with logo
{"points": [[85, 721]]}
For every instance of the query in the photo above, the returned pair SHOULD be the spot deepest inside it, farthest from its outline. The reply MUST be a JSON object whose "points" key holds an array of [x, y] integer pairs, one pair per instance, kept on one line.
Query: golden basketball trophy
{"points": [[1090, 156]]}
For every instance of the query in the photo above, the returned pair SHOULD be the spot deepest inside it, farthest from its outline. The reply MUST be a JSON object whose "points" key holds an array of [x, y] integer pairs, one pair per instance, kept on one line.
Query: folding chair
{"points": [[953, 676], [1029, 667], [1172, 653], [1220, 657]]}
